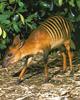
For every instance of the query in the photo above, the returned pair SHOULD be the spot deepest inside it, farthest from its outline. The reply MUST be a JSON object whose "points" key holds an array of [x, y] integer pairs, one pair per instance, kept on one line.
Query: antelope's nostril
{"points": [[3, 64]]}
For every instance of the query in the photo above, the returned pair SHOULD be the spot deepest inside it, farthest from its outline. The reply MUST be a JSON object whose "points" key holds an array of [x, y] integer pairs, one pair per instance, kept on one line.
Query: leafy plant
{"points": [[22, 16]]}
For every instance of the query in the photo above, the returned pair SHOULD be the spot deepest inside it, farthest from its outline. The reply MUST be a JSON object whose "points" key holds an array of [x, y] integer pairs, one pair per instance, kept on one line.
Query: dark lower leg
{"points": [[46, 52], [46, 73], [64, 61], [15, 74], [70, 59]]}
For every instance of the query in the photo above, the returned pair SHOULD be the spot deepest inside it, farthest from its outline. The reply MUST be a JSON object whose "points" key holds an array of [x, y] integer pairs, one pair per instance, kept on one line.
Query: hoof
{"points": [[46, 80], [72, 73], [63, 71], [15, 74], [19, 81]]}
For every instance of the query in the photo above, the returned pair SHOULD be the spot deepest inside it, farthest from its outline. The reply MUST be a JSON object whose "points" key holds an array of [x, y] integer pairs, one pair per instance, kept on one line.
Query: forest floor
{"points": [[61, 86]]}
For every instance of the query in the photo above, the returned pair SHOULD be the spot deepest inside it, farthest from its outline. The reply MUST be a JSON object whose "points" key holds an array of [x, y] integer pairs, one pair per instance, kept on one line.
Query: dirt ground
{"points": [[61, 86]]}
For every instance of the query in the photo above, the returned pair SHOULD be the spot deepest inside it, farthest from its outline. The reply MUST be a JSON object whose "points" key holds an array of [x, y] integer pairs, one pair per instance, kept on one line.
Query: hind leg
{"points": [[62, 53], [67, 46], [46, 65], [64, 61]]}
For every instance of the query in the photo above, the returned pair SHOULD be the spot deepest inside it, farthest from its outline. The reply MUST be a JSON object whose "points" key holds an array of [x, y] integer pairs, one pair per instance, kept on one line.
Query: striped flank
{"points": [[57, 27]]}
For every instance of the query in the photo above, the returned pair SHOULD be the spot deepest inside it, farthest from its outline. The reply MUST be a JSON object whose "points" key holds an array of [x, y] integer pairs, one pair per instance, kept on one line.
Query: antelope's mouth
{"points": [[7, 63]]}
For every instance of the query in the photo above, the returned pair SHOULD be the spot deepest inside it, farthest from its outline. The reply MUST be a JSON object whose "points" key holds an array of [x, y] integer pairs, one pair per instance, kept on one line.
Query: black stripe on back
{"points": [[52, 31], [65, 27], [59, 26], [56, 27], [47, 29]]}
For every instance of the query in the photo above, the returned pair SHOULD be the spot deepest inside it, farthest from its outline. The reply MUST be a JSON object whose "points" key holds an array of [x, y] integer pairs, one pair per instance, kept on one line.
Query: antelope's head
{"points": [[13, 53]]}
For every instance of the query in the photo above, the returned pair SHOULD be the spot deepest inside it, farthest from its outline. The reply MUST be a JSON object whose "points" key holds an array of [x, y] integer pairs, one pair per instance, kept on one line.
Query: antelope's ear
{"points": [[16, 40], [21, 44]]}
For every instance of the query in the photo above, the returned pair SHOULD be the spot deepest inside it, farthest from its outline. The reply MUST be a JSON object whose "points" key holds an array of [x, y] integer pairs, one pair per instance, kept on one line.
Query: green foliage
{"points": [[18, 16]]}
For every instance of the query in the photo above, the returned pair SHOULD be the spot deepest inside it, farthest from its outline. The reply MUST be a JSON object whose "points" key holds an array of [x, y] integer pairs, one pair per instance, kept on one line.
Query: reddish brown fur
{"points": [[38, 42]]}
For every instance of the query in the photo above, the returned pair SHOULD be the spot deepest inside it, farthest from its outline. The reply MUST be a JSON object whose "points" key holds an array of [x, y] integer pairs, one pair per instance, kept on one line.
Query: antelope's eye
{"points": [[10, 54]]}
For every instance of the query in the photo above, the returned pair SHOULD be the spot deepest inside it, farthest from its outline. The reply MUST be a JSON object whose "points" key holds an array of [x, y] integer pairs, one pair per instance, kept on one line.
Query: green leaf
{"points": [[15, 26], [11, 1], [71, 2], [3, 41], [2, 0], [22, 18], [29, 25], [34, 26], [6, 22], [0, 31], [44, 4], [78, 3], [21, 4], [56, 2], [4, 17], [2, 6], [72, 45], [60, 2], [2, 46], [30, 18], [4, 34]]}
